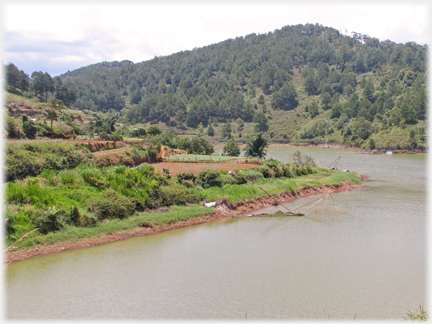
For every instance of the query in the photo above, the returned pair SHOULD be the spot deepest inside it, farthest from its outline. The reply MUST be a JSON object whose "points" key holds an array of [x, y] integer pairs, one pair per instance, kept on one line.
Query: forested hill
{"points": [[303, 83]]}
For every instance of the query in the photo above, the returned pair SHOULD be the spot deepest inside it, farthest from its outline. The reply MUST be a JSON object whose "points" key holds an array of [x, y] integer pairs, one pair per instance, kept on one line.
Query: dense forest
{"points": [[304, 83]]}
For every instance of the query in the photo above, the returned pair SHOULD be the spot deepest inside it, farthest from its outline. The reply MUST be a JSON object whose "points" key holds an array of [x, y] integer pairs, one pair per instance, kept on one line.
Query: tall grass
{"points": [[238, 193], [28, 192], [147, 219], [137, 183], [17, 223], [328, 178], [420, 316]]}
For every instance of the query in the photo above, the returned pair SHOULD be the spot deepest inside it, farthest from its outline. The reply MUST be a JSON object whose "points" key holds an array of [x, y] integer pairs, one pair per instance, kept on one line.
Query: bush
{"points": [[139, 156], [49, 220], [265, 170], [250, 174], [75, 215], [200, 146], [209, 178], [173, 194], [32, 159], [87, 220], [228, 179], [277, 169], [112, 205], [138, 132], [153, 130], [17, 223], [29, 129], [136, 183], [186, 176], [241, 179], [93, 177], [231, 149]]}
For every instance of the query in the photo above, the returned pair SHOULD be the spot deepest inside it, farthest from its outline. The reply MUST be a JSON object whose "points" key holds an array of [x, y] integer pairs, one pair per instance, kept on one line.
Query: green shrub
{"points": [[70, 177], [265, 170], [250, 174], [199, 145], [153, 130], [21, 164], [48, 220], [145, 170], [174, 194], [51, 177], [87, 220], [186, 178], [93, 177], [228, 179], [120, 169], [231, 149], [136, 183], [209, 178], [31, 159], [75, 215], [17, 223], [241, 179], [112, 205]]}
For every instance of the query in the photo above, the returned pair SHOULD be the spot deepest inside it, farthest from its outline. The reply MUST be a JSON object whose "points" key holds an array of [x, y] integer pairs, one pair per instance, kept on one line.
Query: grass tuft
{"points": [[420, 316]]}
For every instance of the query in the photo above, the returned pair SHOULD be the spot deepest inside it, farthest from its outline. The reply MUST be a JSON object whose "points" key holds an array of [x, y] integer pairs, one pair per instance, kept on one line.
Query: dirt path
{"points": [[222, 210]]}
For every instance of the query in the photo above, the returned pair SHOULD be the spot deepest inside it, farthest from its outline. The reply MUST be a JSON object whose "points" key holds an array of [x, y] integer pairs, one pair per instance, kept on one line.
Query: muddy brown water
{"points": [[363, 257]]}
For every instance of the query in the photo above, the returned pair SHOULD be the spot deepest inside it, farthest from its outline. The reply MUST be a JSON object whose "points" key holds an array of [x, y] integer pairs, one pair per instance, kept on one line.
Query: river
{"points": [[363, 256]]}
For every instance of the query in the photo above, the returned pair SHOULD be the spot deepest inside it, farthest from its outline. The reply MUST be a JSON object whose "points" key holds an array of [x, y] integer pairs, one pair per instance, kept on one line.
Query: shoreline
{"points": [[222, 210], [338, 146]]}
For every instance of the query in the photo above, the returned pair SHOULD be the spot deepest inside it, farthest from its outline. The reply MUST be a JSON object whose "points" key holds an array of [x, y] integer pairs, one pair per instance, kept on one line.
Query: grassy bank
{"points": [[237, 193], [87, 202], [72, 234]]}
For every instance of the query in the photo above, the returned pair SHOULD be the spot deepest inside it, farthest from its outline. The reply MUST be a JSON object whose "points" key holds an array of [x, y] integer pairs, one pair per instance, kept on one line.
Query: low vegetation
{"points": [[69, 202], [30, 158], [419, 316]]}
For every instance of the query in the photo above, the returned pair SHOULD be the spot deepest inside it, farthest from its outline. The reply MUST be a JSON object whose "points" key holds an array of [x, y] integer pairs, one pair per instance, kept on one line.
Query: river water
{"points": [[363, 256]]}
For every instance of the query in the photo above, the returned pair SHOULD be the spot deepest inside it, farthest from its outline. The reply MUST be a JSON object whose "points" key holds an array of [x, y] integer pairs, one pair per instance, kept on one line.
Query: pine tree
{"points": [[210, 131]]}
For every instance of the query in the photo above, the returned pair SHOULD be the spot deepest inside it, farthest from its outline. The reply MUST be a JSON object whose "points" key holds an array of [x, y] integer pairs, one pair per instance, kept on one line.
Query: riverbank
{"points": [[338, 146], [223, 209]]}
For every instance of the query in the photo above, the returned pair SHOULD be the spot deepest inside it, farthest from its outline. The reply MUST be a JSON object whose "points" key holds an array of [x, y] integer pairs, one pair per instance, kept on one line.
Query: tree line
{"points": [[41, 84]]}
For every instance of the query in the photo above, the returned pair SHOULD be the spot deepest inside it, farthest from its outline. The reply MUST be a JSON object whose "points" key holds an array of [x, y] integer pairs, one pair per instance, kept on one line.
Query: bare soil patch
{"points": [[177, 167]]}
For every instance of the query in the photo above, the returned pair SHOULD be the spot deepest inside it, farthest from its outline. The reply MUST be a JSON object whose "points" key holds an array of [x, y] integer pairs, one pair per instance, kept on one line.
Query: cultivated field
{"points": [[195, 168]]}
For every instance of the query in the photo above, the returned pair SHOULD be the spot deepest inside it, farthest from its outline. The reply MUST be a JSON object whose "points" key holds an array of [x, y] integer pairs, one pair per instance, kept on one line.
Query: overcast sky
{"points": [[50, 37]]}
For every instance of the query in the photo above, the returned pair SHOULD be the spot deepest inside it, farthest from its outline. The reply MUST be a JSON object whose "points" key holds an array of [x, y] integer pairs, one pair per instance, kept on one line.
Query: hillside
{"points": [[66, 123], [300, 84]]}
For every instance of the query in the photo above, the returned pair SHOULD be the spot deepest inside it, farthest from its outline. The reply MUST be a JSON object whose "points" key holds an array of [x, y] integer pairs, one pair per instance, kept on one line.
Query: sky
{"points": [[56, 37]]}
